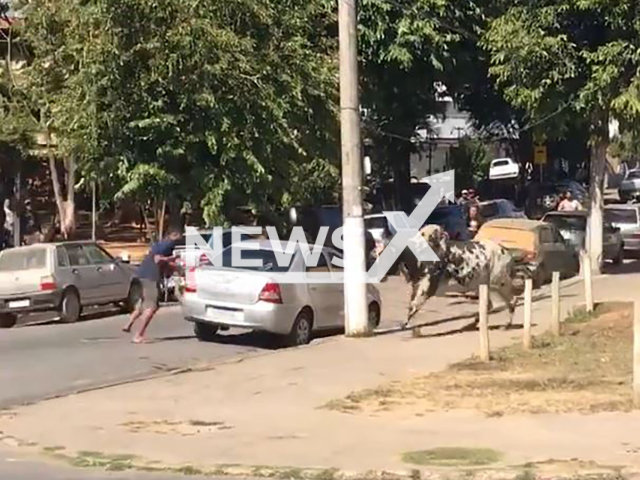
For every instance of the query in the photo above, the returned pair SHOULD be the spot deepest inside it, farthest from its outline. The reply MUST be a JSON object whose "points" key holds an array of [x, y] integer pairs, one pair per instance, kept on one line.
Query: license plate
{"points": [[19, 303], [223, 315]]}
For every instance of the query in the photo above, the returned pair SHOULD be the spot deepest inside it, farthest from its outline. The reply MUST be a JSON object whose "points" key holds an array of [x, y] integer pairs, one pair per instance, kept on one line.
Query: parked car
{"points": [[259, 298], [453, 219], [573, 227], [545, 197], [499, 208], [194, 256], [503, 168], [538, 245], [630, 187], [627, 219], [62, 277]]}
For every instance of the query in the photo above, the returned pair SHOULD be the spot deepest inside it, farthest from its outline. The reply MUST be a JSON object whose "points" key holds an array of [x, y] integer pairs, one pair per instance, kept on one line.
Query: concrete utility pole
{"points": [[355, 288]]}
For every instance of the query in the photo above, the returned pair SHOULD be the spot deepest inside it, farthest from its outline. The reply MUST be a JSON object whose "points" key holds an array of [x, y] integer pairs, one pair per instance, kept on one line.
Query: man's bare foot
{"points": [[138, 339], [126, 329]]}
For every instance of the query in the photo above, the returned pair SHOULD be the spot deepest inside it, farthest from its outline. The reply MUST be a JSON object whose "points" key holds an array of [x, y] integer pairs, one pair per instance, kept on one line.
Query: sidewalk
{"points": [[265, 410]]}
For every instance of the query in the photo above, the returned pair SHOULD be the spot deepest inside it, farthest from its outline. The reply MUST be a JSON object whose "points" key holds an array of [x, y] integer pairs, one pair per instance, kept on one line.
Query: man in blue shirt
{"points": [[149, 273]]}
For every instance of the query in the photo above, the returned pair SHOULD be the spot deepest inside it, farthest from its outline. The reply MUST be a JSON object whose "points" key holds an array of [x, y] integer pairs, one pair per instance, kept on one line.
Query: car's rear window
{"points": [[375, 222], [18, 260], [509, 237], [568, 222], [621, 215], [268, 260], [633, 174], [500, 163]]}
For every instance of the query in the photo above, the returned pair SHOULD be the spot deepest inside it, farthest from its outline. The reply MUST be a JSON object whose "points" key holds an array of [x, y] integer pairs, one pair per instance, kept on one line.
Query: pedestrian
{"points": [[464, 197], [569, 204], [475, 219], [150, 273]]}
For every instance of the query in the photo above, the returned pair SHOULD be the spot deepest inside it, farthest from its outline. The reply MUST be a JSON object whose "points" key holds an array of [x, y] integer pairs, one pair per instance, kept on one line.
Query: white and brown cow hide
{"points": [[468, 263]]}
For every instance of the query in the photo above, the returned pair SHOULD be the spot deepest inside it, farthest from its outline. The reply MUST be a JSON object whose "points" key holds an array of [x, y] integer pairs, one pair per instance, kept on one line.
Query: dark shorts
{"points": [[150, 295]]}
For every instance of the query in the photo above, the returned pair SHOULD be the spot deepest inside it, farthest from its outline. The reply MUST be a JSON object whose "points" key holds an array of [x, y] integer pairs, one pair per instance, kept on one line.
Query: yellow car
{"points": [[537, 244]]}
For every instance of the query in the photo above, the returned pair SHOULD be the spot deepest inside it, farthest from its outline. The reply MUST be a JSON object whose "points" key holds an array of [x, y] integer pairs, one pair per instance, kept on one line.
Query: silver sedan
{"points": [[263, 297]]}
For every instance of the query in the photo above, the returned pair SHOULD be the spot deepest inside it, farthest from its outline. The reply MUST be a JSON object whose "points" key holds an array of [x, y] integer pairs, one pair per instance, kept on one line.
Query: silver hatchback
{"points": [[62, 277], [259, 297]]}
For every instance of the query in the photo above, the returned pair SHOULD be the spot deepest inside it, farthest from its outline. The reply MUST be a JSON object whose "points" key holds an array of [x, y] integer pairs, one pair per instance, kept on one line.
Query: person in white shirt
{"points": [[569, 204]]}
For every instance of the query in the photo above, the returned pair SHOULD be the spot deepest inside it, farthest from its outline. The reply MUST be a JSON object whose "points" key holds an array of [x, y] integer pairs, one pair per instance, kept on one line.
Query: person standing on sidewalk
{"points": [[149, 273]]}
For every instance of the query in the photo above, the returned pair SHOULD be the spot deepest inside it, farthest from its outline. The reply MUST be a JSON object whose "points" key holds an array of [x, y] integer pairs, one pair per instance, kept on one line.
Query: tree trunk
{"points": [[66, 208], [69, 223], [399, 153], [163, 211], [599, 143]]}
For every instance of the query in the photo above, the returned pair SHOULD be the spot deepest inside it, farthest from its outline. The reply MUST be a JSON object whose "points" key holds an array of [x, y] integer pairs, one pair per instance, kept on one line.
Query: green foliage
{"points": [[564, 60], [626, 147], [220, 97], [471, 161]]}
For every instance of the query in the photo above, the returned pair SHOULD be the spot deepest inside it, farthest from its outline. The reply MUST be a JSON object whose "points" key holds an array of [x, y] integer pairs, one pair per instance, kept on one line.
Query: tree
{"points": [[407, 48], [567, 61], [128, 87], [471, 161]]}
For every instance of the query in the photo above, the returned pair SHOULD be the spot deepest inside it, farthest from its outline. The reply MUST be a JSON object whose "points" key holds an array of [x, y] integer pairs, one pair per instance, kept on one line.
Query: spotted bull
{"points": [[469, 263]]}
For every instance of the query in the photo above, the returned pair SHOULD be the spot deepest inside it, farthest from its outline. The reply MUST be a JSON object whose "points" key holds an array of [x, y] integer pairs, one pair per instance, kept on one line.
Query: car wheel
{"points": [[8, 320], [374, 316], [70, 308], [301, 330], [539, 276], [134, 297], [205, 332]]}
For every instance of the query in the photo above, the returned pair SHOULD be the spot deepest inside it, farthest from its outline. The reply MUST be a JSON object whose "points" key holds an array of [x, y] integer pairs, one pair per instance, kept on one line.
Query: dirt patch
{"points": [[588, 369], [172, 427]]}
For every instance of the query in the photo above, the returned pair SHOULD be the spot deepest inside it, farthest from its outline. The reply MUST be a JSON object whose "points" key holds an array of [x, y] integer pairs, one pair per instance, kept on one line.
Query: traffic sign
{"points": [[540, 155]]}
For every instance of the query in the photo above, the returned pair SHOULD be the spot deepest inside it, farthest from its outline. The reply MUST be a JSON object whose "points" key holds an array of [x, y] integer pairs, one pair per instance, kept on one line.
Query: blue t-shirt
{"points": [[149, 269]]}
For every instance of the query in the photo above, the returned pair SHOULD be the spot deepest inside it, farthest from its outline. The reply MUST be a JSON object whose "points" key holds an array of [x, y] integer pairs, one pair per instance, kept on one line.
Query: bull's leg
{"points": [[421, 292], [506, 293]]}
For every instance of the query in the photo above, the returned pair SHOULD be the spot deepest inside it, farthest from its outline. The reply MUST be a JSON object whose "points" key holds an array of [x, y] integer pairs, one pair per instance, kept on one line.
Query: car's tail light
{"points": [[271, 293], [47, 284], [190, 284], [204, 260]]}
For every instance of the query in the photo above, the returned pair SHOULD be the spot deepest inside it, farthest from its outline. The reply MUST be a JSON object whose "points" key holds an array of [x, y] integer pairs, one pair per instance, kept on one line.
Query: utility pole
{"points": [[93, 210], [355, 288]]}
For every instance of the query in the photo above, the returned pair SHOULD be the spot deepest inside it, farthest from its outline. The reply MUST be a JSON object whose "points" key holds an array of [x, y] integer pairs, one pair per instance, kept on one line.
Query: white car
{"points": [[502, 168], [260, 298]]}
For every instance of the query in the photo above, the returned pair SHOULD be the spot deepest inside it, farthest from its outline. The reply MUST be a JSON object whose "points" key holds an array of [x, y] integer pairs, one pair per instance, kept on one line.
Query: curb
{"points": [[532, 471]]}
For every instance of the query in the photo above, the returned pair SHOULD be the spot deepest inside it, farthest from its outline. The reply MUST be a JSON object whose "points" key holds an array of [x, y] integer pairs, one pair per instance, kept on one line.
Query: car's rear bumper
{"points": [[33, 302], [631, 244], [269, 317]]}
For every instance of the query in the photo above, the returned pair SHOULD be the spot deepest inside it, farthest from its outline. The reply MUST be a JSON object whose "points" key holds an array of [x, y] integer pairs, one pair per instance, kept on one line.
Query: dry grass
{"points": [[588, 369]]}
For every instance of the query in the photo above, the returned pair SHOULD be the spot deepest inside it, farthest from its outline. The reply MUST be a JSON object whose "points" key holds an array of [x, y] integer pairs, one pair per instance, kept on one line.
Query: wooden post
{"points": [[528, 303], [483, 324], [555, 304], [636, 354], [588, 286]]}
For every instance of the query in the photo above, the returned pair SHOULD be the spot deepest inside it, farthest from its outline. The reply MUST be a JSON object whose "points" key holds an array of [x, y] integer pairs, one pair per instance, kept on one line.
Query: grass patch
{"points": [[587, 370], [453, 457], [54, 449]]}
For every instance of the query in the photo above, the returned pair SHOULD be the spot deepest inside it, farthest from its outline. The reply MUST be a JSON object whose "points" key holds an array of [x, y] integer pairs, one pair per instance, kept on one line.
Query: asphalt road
{"points": [[39, 361]]}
